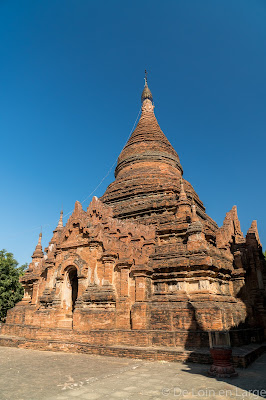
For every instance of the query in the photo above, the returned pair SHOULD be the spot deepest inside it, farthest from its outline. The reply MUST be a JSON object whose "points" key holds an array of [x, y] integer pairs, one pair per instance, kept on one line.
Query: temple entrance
{"points": [[73, 280], [70, 291]]}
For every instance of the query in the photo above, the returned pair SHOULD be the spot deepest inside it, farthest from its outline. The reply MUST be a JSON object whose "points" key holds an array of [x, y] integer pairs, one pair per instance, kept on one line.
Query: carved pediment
{"points": [[128, 239], [98, 211], [73, 233]]}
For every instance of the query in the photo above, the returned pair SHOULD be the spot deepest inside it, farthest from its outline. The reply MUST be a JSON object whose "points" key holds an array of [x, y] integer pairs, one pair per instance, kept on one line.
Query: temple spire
{"points": [[60, 222], [182, 195], [195, 232], [183, 209], [146, 94], [147, 143], [38, 253], [194, 212]]}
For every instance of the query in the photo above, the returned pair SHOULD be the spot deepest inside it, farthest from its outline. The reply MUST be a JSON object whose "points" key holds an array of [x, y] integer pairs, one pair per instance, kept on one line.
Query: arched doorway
{"points": [[73, 280], [70, 289]]}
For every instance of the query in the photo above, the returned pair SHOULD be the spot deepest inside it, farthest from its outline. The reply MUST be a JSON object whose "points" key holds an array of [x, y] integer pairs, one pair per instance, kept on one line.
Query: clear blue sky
{"points": [[71, 79]]}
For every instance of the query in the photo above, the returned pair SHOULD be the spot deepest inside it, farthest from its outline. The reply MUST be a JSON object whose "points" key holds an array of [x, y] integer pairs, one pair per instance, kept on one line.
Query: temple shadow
{"points": [[249, 381], [247, 337]]}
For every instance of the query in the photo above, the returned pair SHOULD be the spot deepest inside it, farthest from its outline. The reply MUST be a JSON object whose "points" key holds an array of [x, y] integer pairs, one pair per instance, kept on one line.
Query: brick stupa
{"points": [[144, 271]]}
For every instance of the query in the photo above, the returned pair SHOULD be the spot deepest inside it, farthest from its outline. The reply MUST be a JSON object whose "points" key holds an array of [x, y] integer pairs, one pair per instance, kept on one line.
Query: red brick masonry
{"points": [[144, 265]]}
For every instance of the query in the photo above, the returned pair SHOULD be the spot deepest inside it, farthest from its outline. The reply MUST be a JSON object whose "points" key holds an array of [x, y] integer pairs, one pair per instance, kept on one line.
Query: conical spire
{"points": [[148, 144], [147, 175], [182, 195], [146, 94], [38, 253], [57, 231], [60, 224], [194, 212], [195, 232], [195, 225], [184, 208]]}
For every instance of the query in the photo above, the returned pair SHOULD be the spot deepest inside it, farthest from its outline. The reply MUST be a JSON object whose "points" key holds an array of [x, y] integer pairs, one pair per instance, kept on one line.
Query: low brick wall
{"points": [[145, 338], [151, 353]]}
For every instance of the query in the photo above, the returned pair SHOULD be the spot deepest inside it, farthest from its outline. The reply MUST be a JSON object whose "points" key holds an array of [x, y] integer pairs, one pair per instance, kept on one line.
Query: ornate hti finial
{"points": [[38, 253], [146, 78], [146, 94]]}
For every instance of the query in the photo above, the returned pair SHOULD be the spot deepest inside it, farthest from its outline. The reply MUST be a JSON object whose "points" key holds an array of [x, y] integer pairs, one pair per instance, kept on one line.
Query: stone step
{"points": [[242, 356]]}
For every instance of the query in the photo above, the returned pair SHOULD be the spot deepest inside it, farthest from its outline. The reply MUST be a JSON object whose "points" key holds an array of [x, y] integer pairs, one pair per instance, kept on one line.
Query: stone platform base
{"points": [[242, 357]]}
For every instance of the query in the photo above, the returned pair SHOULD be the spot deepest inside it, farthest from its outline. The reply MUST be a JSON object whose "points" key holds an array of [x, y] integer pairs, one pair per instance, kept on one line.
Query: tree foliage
{"points": [[11, 290]]}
